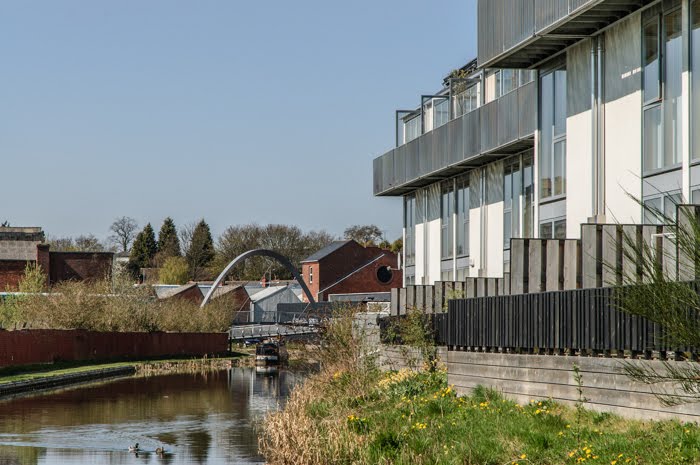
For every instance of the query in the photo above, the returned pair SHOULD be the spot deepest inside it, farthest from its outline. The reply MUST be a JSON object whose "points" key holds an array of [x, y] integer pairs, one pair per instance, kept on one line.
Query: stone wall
{"points": [[526, 377]]}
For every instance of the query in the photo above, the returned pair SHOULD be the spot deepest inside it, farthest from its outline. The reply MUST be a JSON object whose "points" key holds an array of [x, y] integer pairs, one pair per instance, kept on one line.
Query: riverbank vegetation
{"points": [[106, 306], [352, 413], [146, 367]]}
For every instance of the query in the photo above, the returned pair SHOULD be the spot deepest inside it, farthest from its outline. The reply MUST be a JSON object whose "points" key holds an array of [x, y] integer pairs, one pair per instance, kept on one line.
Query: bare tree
{"points": [[124, 232], [185, 234], [82, 243]]}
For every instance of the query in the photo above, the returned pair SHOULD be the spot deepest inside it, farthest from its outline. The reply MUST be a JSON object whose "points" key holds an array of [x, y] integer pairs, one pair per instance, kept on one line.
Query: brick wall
{"points": [[11, 273], [346, 260], [365, 280], [79, 266], [47, 346]]}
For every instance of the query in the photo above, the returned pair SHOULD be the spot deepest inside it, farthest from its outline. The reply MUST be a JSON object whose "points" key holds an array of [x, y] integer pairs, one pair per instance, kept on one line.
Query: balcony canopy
{"points": [[522, 33]]}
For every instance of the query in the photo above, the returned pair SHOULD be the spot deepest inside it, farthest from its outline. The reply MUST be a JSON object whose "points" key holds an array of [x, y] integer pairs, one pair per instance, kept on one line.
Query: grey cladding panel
{"points": [[471, 135], [623, 44], [527, 109], [489, 126], [549, 11], [455, 146], [425, 160], [578, 78], [508, 119]]}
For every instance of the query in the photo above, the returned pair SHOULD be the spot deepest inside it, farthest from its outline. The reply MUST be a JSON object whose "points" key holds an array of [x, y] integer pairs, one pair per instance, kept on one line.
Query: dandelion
{"points": [[523, 456]]}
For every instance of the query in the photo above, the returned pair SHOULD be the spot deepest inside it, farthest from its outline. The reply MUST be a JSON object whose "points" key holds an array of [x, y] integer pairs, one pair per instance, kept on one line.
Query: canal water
{"points": [[198, 418]]}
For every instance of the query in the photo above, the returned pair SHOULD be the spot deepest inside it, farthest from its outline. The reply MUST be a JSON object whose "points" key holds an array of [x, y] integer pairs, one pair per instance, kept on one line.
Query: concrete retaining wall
{"points": [[526, 377], [47, 346]]}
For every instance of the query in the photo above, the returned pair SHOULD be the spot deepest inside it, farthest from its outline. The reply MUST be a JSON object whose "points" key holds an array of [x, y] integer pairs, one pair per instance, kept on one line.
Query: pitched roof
{"points": [[267, 292], [223, 290], [18, 250], [173, 291], [327, 250]]}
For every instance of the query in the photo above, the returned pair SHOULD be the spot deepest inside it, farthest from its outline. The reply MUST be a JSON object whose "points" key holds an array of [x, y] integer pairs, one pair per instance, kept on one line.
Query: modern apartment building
{"points": [[572, 111]]}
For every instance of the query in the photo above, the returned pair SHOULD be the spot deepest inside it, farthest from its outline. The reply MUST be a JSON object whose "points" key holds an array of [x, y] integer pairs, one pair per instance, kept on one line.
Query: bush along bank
{"points": [[351, 413]]}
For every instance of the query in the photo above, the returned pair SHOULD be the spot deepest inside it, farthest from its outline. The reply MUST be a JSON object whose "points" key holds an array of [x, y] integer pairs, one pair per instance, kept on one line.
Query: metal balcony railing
{"points": [[503, 126]]}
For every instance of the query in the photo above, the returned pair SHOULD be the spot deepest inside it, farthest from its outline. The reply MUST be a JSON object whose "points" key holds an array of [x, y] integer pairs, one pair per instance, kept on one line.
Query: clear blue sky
{"points": [[233, 111]]}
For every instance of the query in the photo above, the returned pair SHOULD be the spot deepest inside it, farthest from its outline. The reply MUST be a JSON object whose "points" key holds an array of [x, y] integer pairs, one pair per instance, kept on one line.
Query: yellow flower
{"points": [[613, 462], [523, 456]]}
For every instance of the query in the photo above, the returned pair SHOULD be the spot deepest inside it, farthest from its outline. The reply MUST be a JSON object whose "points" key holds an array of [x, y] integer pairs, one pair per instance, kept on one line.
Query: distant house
{"points": [[190, 292], [263, 305], [239, 301], [346, 267], [20, 246]]}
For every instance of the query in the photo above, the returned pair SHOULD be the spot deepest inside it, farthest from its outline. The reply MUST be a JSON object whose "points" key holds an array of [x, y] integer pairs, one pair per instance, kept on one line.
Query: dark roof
{"points": [[324, 252]]}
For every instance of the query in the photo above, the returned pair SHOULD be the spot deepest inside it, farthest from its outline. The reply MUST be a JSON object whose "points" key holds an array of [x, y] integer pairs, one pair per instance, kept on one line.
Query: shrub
{"points": [[174, 271]]}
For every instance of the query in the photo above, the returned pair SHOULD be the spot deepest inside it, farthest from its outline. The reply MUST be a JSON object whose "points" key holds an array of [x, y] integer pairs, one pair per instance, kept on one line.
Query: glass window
{"points": [[412, 128], [652, 69], [695, 76], [509, 80], [546, 133], [672, 88], [441, 112], [695, 197], [463, 216], [651, 206], [546, 230], [528, 196], [560, 229], [653, 151], [446, 212], [410, 225], [553, 134], [662, 103]]}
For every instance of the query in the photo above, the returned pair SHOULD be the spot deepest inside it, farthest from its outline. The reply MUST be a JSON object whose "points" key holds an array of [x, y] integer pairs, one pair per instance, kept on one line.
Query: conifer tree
{"points": [[201, 250], [143, 251], [168, 242]]}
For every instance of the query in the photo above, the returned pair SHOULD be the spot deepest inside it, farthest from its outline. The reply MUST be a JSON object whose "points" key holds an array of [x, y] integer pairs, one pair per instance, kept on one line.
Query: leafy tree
{"points": [[143, 251], [397, 245], [289, 241], [201, 250], [34, 279], [385, 245], [123, 233], [82, 243], [366, 235], [174, 271], [168, 241]]}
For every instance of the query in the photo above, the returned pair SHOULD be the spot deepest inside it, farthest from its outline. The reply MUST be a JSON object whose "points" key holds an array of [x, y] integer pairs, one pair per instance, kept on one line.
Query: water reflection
{"points": [[199, 419]]}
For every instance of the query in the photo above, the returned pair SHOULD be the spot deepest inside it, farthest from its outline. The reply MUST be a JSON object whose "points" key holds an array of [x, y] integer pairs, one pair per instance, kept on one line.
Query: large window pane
{"points": [[651, 61], [446, 222], [560, 168], [462, 217], [546, 134], [441, 113], [528, 198], [559, 103], [560, 229], [546, 230], [653, 150], [672, 88], [695, 67]]}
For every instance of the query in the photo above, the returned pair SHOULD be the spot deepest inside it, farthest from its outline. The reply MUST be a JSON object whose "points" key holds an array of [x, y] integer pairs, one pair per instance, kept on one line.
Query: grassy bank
{"points": [[416, 418], [150, 366], [351, 413]]}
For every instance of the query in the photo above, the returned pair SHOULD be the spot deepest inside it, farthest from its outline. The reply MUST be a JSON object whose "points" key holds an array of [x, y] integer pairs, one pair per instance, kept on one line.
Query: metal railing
{"points": [[464, 140]]}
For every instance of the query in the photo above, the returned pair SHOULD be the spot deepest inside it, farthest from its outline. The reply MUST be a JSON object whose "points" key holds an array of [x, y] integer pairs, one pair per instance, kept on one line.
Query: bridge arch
{"points": [[259, 253]]}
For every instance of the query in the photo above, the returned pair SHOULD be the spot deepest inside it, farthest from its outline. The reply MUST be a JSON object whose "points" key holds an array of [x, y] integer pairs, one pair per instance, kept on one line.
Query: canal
{"points": [[198, 418]]}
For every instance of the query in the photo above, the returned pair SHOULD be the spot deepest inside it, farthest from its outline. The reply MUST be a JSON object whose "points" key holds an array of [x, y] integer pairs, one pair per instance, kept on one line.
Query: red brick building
{"points": [[346, 267], [19, 246]]}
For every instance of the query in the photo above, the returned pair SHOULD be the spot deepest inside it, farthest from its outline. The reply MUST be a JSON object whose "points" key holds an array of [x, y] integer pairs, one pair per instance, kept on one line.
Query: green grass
{"points": [[29, 372], [418, 419]]}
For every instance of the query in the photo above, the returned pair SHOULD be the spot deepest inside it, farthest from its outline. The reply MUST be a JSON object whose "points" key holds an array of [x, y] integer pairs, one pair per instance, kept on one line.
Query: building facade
{"points": [[574, 112], [346, 267]]}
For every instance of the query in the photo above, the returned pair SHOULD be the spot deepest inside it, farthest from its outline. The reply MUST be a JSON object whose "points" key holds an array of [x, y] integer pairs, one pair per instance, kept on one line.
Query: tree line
{"points": [[190, 252]]}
